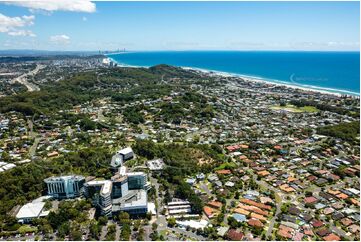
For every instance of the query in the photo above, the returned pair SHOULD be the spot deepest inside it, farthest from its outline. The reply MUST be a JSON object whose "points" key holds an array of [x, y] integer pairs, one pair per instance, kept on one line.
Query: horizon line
{"points": [[160, 50]]}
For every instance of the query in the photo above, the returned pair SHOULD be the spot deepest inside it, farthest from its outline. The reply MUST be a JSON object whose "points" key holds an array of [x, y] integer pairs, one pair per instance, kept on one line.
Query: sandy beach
{"points": [[275, 83]]}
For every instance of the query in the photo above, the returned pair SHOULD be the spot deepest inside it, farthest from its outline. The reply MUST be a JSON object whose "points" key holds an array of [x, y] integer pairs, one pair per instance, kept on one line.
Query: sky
{"points": [[84, 25]]}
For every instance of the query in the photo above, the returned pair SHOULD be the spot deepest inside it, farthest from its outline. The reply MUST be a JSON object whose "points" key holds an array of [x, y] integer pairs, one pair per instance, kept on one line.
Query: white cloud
{"points": [[60, 39], [57, 5], [12, 25], [22, 32]]}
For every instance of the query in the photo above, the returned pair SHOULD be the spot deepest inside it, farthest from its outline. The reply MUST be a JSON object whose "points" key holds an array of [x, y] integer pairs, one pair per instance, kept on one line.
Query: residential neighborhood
{"points": [[218, 158]]}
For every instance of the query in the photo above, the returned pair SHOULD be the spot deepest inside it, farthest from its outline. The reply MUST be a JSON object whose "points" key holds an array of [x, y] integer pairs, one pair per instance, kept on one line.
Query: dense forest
{"points": [[134, 84], [345, 131]]}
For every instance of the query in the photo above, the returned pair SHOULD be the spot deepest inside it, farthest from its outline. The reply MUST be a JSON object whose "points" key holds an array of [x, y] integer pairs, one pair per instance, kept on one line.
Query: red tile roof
{"points": [[310, 200], [332, 237], [256, 204], [208, 211], [255, 223], [215, 204], [224, 172], [234, 235], [316, 223]]}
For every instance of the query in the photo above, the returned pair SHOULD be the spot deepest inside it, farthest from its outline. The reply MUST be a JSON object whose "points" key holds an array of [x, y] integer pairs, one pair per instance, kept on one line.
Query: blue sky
{"points": [[180, 25]]}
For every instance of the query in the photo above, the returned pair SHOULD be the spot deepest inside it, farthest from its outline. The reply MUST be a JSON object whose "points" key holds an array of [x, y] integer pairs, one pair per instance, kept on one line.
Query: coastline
{"points": [[308, 88]]}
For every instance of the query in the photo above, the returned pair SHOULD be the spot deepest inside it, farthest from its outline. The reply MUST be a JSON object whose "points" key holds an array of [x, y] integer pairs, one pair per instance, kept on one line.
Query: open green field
{"points": [[294, 109], [226, 165]]}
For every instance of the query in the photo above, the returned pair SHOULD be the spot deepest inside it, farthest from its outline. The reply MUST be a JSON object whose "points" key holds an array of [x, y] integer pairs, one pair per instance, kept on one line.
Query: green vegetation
{"points": [[191, 105], [86, 86], [181, 161], [325, 107], [346, 131], [296, 109], [226, 165], [133, 115], [27, 229]]}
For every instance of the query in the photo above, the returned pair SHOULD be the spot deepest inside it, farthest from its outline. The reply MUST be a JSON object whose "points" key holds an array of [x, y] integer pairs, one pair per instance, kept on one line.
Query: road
{"points": [[203, 186], [23, 79], [278, 197], [188, 234], [35, 136], [154, 182]]}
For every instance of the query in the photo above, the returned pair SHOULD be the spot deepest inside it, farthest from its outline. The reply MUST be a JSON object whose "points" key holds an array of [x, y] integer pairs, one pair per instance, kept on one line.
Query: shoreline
{"points": [[309, 88]]}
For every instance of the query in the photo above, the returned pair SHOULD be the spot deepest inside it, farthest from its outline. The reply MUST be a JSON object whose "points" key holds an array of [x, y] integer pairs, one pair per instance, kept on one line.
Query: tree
{"points": [[232, 222], [102, 220], [64, 229], [76, 235], [125, 232], [149, 215], [94, 230], [154, 226], [124, 218], [136, 225], [220, 218], [140, 236], [154, 236], [171, 222]]}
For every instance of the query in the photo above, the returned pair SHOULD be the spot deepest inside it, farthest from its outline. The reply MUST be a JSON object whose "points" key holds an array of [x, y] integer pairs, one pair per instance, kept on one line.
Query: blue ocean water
{"points": [[337, 72]]}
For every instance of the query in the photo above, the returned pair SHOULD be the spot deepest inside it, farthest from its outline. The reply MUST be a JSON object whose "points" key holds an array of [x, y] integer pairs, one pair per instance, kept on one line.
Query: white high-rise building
{"points": [[65, 186]]}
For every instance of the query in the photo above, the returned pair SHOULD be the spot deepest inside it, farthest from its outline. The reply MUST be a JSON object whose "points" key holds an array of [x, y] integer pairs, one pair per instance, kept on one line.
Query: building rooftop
{"points": [[125, 151], [106, 186], [63, 178], [155, 165], [30, 210], [138, 198]]}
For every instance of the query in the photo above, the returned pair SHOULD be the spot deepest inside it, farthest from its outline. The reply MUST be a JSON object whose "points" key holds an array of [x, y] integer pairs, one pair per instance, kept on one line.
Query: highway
{"points": [[23, 79]]}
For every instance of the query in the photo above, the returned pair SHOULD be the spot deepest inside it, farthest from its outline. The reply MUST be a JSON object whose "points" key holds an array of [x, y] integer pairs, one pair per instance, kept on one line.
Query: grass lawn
{"points": [[294, 109], [226, 165]]}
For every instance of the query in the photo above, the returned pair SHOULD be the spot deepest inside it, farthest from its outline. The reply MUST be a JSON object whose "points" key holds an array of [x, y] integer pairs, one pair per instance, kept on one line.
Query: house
{"points": [[191, 181], [285, 232], [222, 231], [298, 236], [323, 232], [224, 172], [256, 204], [255, 223], [317, 223], [354, 228], [200, 176], [257, 216], [241, 211], [215, 204], [294, 210], [346, 221], [53, 154], [263, 173], [234, 235], [239, 217], [209, 212], [212, 178], [310, 200], [331, 237]]}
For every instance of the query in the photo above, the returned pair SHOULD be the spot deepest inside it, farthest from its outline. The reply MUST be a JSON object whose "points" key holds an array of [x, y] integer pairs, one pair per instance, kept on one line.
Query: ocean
{"points": [[336, 72]]}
